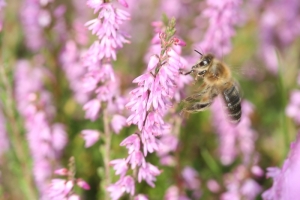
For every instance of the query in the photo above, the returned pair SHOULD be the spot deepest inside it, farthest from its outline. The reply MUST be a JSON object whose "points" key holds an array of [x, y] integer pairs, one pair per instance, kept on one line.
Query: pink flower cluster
{"points": [[286, 180], [70, 61], [234, 139], [240, 185], [36, 17], [63, 188], [279, 27], [223, 16], [293, 108], [4, 141], [100, 77], [148, 104], [2, 5], [46, 139], [190, 181]]}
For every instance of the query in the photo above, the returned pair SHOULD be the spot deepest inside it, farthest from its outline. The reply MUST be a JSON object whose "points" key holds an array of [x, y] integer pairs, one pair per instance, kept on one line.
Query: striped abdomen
{"points": [[233, 103]]}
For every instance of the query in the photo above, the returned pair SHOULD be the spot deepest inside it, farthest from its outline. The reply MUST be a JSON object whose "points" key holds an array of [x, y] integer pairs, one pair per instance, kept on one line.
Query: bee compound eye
{"points": [[203, 63]]}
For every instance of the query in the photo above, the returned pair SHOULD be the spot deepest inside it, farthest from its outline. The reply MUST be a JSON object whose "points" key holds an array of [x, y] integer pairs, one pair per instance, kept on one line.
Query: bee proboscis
{"points": [[217, 79]]}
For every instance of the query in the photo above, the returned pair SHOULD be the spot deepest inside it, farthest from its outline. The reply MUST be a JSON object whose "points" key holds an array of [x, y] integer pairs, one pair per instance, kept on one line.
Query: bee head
{"points": [[202, 66]]}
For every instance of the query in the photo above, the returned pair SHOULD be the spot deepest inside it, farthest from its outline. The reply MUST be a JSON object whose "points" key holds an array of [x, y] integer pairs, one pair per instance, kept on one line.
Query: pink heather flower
{"points": [[293, 108], [62, 172], [120, 166], [191, 178], [74, 197], [123, 3], [46, 140], [132, 143], [167, 160], [149, 103], [92, 109], [233, 137], [99, 80], [63, 188], [90, 137], [44, 19], [2, 5], [140, 197], [223, 16], [172, 193], [213, 186], [59, 189], [286, 180], [60, 27], [100, 77], [81, 36], [156, 91], [135, 159], [30, 17], [270, 58], [70, 60], [250, 189], [191, 181], [240, 186], [4, 141], [59, 135], [117, 123], [105, 27], [172, 8], [257, 171], [125, 184], [84, 185], [176, 49], [148, 172], [279, 27], [168, 144]]}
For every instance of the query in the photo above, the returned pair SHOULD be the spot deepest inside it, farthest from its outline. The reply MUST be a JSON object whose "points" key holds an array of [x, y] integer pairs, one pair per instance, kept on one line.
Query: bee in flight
{"points": [[217, 80]]}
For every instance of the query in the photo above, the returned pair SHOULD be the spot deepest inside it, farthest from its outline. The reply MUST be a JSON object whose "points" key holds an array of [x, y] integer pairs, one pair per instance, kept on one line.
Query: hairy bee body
{"points": [[217, 80]]}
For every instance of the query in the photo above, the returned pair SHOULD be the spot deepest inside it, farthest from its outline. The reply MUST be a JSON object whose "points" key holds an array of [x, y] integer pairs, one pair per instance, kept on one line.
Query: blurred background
{"points": [[43, 110]]}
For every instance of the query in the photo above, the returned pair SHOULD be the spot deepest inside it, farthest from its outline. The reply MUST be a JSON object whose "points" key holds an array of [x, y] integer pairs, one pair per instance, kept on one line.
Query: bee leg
{"points": [[186, 73], [201, 104], [195, 97], [201, 101], [197, 107], [203, 89]]}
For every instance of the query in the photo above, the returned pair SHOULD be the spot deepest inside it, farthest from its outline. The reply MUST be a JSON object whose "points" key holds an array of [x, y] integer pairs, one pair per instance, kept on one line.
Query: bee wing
{"points": [[200, 101], [198, 95]]}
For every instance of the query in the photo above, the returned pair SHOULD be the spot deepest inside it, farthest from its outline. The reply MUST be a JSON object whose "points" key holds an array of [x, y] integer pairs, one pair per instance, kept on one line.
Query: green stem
{"points": [[283, 97], [106, 153], [212, 164]]}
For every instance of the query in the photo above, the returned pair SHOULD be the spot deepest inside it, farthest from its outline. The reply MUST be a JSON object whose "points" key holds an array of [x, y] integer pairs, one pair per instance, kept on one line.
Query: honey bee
{"points": [[217, 79]]}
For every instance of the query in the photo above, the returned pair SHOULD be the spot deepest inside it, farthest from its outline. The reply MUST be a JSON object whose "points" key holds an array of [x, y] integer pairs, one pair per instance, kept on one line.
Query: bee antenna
{"points": [[198, 52]]}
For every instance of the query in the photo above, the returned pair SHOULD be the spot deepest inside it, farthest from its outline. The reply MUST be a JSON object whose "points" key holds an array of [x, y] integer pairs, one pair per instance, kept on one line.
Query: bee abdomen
{"points": [[233, 103]]}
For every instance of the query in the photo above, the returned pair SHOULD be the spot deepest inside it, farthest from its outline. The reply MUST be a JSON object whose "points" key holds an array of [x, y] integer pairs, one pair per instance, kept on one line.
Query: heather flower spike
{"points": [[46, 139], [63, 188], [103, 85], [148, 104]]}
